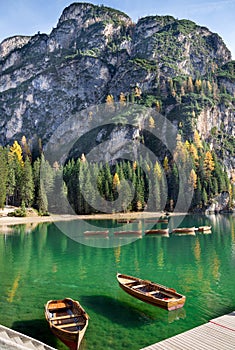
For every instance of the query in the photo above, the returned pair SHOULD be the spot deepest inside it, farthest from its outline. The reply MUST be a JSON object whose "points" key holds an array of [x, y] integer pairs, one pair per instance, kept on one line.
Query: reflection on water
{"points": [[38, 263]]}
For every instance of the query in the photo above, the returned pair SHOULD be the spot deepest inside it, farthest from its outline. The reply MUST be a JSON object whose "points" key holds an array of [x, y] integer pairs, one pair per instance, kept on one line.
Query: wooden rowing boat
{"points": [[150, 292], [184, 229], [137, 233], [68, 321], [158, 231], [96, 233], [204, 228]]}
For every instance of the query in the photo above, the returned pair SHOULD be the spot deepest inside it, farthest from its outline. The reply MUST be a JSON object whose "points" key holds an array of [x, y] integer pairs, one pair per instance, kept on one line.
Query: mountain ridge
{"points": [[96, 51]]}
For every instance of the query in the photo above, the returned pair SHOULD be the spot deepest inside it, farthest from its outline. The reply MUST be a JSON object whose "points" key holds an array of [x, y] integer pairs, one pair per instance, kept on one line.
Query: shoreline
{"points": [[9, 220]]}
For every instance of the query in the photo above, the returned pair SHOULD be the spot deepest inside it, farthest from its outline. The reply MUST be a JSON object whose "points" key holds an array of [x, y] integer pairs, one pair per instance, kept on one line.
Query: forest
{"points": [[81, 187]]}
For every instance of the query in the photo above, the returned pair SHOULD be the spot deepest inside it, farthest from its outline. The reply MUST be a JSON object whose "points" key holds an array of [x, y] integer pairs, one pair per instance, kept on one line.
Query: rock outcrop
{"points": [[95, 51]]}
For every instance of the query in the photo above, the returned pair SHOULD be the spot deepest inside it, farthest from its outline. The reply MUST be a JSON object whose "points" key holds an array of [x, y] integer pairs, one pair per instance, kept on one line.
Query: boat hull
{"points": [[169, 299], [157, 232], [68, 321], [184, 230], [204, 228]]}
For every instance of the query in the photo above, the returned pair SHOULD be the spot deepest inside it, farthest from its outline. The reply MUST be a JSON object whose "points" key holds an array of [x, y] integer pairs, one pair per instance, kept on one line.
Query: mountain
{"points": [[182, 69]]}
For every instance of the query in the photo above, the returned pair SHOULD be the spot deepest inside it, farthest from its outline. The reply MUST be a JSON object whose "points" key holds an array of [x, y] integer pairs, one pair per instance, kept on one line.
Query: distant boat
{"points": [[68, 321], [159, 231], [204, 228], [127, 221], [96, 233], [138, 233], [122, 221], [184, 229], [150, 292]]}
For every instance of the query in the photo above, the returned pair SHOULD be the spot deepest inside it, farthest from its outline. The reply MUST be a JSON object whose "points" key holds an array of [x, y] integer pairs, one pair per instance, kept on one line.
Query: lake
{"points": [[53, 261]]}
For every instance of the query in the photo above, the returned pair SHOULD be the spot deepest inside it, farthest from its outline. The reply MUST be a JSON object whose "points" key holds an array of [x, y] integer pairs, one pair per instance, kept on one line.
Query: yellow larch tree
{"points": [[190, 86], [109, 99], [158, 170], [151, 122], [194, 153], [166, 164], [208, 164], [122, 98], [198, 85], [158, 106], [197, 140], [116, 181], [192, 179], [180, 153], [16, 151]]}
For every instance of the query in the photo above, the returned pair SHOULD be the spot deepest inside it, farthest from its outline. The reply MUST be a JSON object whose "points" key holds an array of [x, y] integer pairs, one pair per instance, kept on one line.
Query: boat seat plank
{"points": [[57, 306], [63, 317], [67, 325], [138, 286], [154, 291]]}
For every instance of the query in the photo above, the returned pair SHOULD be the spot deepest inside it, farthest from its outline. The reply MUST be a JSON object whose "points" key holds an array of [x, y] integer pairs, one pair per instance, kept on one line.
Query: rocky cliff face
{"points": [[95, 51]]}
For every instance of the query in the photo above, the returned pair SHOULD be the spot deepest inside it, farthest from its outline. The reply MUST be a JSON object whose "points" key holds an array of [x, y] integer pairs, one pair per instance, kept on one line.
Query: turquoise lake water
{"points": [[39, 263]]}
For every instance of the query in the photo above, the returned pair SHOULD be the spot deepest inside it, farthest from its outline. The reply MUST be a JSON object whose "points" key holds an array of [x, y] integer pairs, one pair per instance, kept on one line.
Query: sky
{"points": [[27, 17]]}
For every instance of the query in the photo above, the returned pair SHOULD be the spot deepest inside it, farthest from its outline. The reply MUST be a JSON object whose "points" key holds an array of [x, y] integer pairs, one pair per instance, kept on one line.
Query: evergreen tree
{"points": [[40, 197], [58, 203], [3, 176], [27, 185], [15, 163], [204, 197]]}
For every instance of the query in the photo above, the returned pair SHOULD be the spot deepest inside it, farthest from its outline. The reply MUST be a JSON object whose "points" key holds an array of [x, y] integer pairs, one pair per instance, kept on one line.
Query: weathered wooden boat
{"points": [[123, 233], [204, 228], [68, 321], [122, 221], [127, 221], [184, 229], [150, 292], [158, 231], [96, 233]]}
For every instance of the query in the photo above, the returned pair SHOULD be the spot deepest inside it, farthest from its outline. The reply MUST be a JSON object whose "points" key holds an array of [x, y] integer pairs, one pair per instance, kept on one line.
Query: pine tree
{"points": [[27, 185], [3, 176], [173, 185], [40, 197], [15, 164], [58, 202], [204, 197], [197, 199]]}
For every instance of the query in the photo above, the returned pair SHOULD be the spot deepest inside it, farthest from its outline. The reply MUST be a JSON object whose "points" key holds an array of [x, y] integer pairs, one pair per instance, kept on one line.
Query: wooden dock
{"points": [[217, 334], [12, 340]]}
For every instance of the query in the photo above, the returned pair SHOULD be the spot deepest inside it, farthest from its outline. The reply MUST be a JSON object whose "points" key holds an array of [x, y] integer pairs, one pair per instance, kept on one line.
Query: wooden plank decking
{"points": [[12, 340], [217, 334]]}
